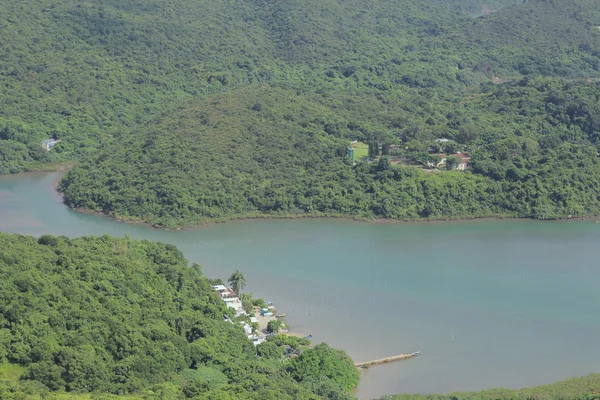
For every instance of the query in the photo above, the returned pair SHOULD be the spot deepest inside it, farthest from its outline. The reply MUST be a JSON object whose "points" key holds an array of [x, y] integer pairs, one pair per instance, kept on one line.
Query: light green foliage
{"points": [[576, 388], [274, 326], [476, 7], [247, 302], [121, 316], [9, 372]]}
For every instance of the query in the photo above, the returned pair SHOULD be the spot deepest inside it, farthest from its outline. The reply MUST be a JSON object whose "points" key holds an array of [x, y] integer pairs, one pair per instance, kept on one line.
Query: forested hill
{"points": [[89, 72], [123, 316], [548, 37], [259, 151]]}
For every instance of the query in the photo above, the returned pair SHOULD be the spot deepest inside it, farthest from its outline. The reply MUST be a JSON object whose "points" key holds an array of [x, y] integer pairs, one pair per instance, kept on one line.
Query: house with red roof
{"points": [[463, 161]]}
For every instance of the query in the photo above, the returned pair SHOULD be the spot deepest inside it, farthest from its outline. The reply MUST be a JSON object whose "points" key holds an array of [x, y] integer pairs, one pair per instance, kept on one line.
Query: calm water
{"points": [[520, 297]]}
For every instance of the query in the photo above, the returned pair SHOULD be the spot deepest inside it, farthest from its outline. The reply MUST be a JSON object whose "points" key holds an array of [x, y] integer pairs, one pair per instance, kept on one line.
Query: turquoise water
{"points": [[520, 297]]}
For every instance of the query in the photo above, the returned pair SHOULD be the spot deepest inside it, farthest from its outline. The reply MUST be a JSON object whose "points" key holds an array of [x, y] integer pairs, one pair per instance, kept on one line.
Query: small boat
{"points": [[416, 353], [281, 316], [308, 337]]}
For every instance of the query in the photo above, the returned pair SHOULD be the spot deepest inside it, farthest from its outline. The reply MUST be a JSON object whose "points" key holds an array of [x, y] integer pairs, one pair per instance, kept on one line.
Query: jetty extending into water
{"points": [[387, 360]]}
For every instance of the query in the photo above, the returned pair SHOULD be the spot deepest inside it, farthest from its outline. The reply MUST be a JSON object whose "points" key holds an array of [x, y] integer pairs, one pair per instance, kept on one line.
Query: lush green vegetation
{"points": [[274, 143], [122, 316], [274, 151], [92, 72], [576, 388]]}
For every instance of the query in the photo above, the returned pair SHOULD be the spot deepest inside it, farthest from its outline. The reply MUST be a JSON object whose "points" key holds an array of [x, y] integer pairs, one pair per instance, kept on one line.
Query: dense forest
{"points": [[123, 316], [277, 151], [90, 72], [242, 141]]}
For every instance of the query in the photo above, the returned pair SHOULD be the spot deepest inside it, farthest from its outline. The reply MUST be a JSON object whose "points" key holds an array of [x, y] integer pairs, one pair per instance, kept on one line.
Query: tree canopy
{"points": [[89, 73], [533, 147], [124, 316]]}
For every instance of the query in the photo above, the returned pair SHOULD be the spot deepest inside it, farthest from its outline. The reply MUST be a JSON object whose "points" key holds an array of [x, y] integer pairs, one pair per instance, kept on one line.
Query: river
{"points": [[519, 297]]}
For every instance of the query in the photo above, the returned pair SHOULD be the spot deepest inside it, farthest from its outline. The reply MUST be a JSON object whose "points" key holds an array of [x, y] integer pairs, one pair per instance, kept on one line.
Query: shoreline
{"points": [[382, 221], [250, 217]]}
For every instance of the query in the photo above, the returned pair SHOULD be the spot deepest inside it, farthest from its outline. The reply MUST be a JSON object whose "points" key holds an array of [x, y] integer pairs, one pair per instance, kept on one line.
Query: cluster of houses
{"points": [[399, 153], [232, 300]]}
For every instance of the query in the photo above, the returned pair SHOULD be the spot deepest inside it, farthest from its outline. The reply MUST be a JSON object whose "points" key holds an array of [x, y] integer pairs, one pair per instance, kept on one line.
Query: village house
{"points": [[49, 143], [230, 298], [464, 160], [441, 163]]}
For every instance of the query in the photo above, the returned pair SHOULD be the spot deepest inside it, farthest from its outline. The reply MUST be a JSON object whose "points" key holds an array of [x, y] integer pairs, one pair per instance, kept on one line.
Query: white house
{"points": [[49, 143], [230, 298]]}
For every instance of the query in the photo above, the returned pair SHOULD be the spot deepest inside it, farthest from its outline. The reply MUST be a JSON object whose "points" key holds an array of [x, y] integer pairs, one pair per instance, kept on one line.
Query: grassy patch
{"points": [[361, 151], [10, 372]]}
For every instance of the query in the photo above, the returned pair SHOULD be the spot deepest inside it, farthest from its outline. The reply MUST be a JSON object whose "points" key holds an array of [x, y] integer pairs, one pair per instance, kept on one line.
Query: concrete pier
{"points": [[387, 360]]}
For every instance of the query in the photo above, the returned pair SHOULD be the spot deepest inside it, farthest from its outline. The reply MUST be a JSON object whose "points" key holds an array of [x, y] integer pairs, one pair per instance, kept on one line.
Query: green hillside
{"points": [[89, 72], [267, 151], [123, 316], [548, 37]]}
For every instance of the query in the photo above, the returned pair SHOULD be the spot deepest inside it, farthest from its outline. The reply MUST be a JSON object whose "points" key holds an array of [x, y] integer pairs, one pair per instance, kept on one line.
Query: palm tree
{"points": [[237, 280]]}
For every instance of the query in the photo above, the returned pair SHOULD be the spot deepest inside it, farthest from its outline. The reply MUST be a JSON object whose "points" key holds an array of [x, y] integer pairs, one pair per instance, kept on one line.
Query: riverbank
{"points": [[205, 222], [253, 217]]}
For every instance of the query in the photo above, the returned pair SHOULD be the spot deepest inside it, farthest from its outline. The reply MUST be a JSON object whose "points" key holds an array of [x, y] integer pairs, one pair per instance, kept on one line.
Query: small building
{"points": [[464, 160], [441, 163], [247, 328], [49, 143], [256, 340], [350, 152], [225, 292]]}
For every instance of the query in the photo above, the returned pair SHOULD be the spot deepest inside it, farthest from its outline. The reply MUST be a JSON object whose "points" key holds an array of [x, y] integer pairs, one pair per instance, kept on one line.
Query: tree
{"points": [[467, 133], [373, 149], [384, 163], [237, 280], [452, 162], [325, 361], [273, 326]]}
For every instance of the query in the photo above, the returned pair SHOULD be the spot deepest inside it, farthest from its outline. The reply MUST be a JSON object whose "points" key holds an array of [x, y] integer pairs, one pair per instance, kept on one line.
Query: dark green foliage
{"points": [[116, 315], [548, 37], [91, 72], [323, 361], [533, 147]]}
